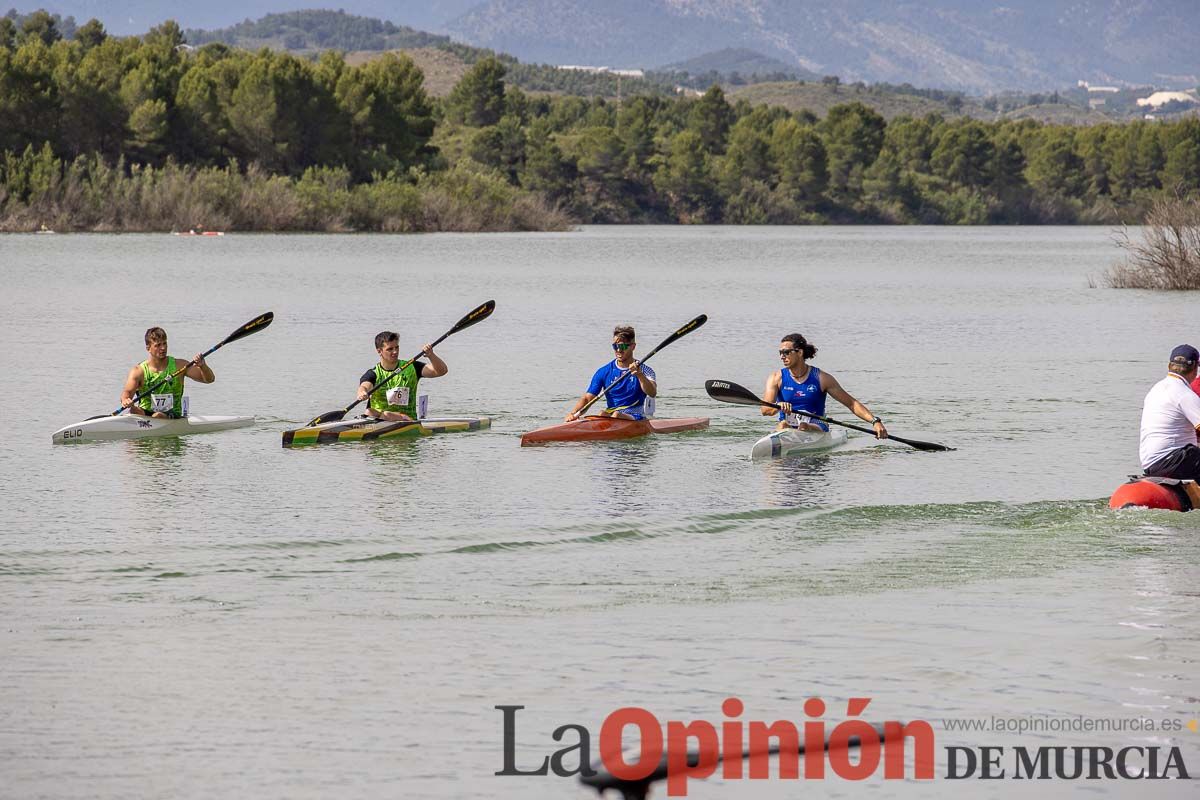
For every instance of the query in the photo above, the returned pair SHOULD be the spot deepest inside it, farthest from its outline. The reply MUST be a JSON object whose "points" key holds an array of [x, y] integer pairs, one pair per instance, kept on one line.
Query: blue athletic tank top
{"points": [[806, 396]]}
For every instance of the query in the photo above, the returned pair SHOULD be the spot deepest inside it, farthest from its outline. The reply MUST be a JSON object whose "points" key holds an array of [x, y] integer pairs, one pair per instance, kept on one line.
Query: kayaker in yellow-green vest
{"points": [[157, 373], [397, 395]]}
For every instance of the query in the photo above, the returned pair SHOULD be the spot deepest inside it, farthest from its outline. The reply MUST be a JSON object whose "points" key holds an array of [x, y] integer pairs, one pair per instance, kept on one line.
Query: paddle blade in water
{"points": [[730, 392], [931, 446]]}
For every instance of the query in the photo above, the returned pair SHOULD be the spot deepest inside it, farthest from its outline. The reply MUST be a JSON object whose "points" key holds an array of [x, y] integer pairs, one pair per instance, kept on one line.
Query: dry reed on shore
{"points": [[1167, 254]]}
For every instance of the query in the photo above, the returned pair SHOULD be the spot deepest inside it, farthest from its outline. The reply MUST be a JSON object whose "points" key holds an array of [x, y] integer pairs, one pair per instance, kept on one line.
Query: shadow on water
{"points": [[393, 466], [159, 463], [393, 460], [799, 481], [620, 470]]}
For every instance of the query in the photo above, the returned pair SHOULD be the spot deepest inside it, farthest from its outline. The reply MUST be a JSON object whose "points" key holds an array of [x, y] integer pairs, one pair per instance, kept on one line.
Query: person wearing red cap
{"points": [[1171, 420]]}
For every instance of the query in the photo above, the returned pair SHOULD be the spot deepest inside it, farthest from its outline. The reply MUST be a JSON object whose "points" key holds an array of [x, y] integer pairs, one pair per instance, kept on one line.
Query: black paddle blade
{"points": [[253, 326], [921, 445], [685, 330], [730, 392], [478, 315], [328, 416], [677, 335]]}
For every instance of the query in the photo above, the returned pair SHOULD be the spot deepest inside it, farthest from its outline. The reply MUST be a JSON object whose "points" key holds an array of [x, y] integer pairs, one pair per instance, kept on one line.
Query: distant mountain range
{"points": [[959, 44], [124, 17], [740, 61]]}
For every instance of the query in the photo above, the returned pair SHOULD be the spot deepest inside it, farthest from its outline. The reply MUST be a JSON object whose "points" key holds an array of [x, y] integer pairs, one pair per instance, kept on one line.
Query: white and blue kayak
{"points": [[129, 426], [790, 441]]}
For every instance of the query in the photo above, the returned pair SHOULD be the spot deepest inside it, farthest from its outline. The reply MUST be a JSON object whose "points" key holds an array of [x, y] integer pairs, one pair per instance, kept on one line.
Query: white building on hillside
{"points": [[1162, 98], [621, 73]]}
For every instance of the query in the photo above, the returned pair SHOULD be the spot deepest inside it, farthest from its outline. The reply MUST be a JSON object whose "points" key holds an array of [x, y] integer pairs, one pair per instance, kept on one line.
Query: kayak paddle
{"points": [[253, 326], [478, 315], [732, 393], [679, 334]]}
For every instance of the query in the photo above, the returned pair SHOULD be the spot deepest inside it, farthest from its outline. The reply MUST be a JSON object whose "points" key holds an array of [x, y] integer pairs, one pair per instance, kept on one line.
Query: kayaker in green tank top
{"points": [[397, 395], [166, 399]]}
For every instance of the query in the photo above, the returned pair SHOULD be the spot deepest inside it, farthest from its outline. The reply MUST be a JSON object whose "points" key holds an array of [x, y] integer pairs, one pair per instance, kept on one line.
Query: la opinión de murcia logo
{"points": [[1066, 763], [695, 749], [853, 749]]}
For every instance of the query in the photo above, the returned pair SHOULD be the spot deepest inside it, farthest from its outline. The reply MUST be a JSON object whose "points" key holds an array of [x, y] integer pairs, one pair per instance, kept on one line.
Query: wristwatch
{"points": [[876, 420]]}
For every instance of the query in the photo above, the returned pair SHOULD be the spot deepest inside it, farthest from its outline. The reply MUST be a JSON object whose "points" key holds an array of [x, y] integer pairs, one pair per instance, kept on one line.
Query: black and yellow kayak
{"points": [[366, 429]]}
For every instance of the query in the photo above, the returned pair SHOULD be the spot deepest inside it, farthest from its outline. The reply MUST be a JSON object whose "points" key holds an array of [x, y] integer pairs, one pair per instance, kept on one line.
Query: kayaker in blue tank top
{"points": [[631, 396], [801, 387], [802, 394]]}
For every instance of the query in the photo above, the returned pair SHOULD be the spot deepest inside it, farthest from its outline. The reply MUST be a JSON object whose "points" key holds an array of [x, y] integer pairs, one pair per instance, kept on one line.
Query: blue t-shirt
{"points": [[627, 396]]}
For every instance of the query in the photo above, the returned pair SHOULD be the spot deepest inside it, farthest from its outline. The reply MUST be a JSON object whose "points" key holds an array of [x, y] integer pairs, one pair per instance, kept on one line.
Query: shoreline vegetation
{"points": [[90, 195], [101, 133], [1167, 254]]}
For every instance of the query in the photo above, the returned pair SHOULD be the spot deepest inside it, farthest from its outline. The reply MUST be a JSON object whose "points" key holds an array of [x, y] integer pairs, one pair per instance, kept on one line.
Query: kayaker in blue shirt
{"points": [[635, 383], [801, 387]]}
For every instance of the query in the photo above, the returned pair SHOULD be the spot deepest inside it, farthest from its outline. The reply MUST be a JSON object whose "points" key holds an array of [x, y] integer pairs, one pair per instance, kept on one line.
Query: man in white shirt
{"points": [[1171, 420]]}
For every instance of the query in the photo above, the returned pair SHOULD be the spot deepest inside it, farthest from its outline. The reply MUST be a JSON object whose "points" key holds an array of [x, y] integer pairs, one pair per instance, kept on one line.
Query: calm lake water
{"points": [[220, 617]]}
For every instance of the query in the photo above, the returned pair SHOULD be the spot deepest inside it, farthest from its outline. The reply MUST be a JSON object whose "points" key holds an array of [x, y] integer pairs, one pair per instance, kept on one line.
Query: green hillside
{"points": [[1058, 114], [729, 67], [889, 102], [315, 31], [311, 32], [441, 68]]}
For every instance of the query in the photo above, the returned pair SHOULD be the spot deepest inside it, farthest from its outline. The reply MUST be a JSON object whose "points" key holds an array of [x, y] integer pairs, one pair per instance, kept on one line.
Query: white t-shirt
{"points": [[1170, 414]]}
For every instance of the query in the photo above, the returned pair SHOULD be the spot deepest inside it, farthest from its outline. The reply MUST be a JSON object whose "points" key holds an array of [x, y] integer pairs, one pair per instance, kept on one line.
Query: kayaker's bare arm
{"points": [[580, 403], [199, 370], [834, 389], [770, 392], [364, 390], [436, 368], [133, 383]]}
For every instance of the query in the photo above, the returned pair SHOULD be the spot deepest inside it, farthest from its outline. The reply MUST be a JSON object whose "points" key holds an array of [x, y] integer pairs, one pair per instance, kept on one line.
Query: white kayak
{"points": [[128, 426], [794, 442]]}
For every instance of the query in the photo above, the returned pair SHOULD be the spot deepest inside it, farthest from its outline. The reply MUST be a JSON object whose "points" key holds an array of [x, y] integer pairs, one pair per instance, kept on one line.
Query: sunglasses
{"points": [[786, 353], [621, 347]]}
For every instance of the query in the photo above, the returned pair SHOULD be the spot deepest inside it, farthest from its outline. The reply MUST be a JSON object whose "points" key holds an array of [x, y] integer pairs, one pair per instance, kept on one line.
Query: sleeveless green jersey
{"points": [[402, 387], [167, 396]]}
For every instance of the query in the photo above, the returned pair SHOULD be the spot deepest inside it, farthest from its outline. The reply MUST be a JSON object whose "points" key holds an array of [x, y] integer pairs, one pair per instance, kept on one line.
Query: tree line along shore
{"points": [[103, 133]]}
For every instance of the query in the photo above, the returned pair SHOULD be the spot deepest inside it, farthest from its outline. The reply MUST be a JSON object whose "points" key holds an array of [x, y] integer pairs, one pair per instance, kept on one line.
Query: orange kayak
{"points": [[595, 429]]}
